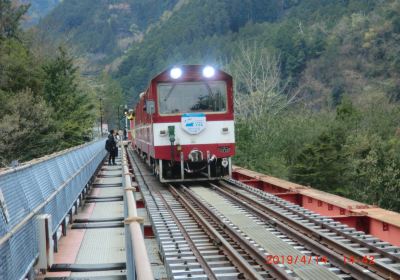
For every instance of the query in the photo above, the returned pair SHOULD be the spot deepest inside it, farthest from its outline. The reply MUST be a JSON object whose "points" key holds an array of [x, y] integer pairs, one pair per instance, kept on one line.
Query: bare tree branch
{"points": [[258, 86]]}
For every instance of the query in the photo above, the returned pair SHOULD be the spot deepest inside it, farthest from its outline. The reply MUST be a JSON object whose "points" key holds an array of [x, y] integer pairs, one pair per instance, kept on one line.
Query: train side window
{"points": [[150, 107]]}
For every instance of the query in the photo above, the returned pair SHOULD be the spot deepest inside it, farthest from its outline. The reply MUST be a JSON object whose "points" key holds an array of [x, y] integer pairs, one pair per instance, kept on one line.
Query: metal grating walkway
{"points": [[104, 245], [100, 250]]}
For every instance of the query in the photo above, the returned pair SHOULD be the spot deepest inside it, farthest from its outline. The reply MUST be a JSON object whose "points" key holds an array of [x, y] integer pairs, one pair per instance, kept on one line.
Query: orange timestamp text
{"points": [[368, 260], [306, 260]]}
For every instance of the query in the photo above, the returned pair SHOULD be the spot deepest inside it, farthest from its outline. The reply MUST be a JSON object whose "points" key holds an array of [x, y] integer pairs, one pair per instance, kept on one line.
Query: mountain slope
{"points": [[38, 9], [135, 39], [194, 34], [206, 31], [102, 31]]}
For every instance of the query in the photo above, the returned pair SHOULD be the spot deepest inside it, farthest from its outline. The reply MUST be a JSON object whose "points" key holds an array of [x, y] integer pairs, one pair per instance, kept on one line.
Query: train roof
{"points": [[190, 72]]}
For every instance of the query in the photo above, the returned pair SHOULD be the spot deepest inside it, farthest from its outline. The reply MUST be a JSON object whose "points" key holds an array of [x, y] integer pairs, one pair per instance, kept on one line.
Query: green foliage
{"points": [[321, 164], [37, 10], [374, 170], [144, 35], [112, 100], [353, 151], [272, 144], [360, 54], [19, 69], [357, 155], [103, 27], [205, 30], [10, 15], [212, 29], [24, 120], [44, 105], [73, 110]]}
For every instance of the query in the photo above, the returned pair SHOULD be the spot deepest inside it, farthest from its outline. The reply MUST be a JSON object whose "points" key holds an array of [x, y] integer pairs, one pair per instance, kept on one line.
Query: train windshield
{"points": [[189, 97]]}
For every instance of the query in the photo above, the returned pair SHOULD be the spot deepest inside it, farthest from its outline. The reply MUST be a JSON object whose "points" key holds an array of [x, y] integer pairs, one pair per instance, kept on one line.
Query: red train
{"points": [[184, 124]]}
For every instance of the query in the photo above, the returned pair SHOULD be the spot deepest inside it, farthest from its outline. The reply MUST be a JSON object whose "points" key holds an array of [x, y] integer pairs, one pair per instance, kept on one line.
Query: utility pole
{"points": [[101, 117], [118, 119], [126, 121]]}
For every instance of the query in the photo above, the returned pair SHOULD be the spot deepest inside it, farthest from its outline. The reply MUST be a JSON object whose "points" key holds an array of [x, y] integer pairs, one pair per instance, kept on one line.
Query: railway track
{"points": [[249, 260], [190, 245], [261, 236], [228, 230], [380, 258]]}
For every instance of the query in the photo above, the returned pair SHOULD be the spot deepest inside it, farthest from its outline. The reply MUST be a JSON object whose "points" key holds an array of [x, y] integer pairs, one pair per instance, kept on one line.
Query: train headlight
{"points": [[208, 71], [175, 73]]}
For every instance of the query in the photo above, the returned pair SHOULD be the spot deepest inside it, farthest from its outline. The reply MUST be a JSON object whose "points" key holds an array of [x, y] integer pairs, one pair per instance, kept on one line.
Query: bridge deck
{"points": [[272, 244], [95, 242], [371, 219]]}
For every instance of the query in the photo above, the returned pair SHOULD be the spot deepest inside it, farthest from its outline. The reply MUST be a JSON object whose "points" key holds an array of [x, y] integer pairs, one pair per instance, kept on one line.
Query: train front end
{"points": [[192, 124]]}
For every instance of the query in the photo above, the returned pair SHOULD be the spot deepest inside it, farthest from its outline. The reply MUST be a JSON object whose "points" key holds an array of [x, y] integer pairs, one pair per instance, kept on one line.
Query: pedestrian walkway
{"points": [[95, 242]]}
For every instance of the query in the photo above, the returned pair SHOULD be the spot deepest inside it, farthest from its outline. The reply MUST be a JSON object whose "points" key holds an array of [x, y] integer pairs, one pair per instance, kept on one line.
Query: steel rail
{"points": [[334, 258], [377, 267], [275, 271], [141, 259], [326, 226], [244, 267], [200, 258], [38, 208], [132, 160], [203, 263], [151, 193]]}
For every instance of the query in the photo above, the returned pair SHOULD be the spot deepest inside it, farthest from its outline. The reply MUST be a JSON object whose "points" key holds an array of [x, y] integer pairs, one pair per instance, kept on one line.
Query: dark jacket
{"points": [[111, 145]]}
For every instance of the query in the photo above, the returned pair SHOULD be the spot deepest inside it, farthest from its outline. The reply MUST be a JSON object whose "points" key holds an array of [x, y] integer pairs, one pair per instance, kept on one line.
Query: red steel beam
{"points": [[379, 222]]}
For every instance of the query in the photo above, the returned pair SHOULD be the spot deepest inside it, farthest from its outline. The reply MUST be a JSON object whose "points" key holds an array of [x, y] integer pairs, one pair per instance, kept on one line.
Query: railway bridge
{"points": [[70, 215]]}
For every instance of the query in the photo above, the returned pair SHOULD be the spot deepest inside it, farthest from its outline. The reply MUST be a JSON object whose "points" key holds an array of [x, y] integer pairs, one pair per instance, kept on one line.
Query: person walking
{"points": [[111, 147]]}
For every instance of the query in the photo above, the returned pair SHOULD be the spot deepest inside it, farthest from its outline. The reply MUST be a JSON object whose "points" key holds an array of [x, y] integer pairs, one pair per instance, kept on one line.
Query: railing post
{"points": [[138, 258]]}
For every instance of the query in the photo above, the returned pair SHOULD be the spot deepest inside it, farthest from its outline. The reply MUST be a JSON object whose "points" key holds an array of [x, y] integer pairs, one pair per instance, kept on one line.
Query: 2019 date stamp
{"points": [[308, 260]]}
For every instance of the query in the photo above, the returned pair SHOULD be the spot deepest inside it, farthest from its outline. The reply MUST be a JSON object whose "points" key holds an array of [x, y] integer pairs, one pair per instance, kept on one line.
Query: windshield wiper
{"points": [[169, 92]]}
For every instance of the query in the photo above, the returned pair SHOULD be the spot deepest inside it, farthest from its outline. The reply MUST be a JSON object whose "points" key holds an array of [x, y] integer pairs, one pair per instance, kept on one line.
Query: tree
{"points": [[321, 164], [73, 108], [258, 86], [374, 170], [26, 127], [112, 97], [19, 69], [10, 16], [263, 111]]}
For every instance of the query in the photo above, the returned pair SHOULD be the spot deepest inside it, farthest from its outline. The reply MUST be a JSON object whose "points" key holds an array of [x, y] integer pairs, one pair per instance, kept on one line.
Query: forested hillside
{"points": [[45, 105], [201, 31], [317, 81], [101, 32], [37, 10]]}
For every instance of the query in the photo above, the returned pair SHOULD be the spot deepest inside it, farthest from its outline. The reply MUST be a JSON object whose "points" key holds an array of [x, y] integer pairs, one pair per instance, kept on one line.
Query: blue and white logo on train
{"points": [[193, 123]]}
